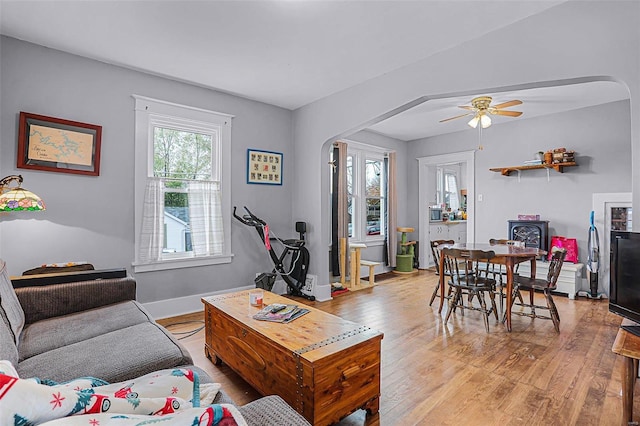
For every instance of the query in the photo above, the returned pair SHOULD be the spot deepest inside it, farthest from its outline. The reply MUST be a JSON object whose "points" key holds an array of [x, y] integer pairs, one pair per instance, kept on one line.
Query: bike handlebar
{"points": [[249, 219]]}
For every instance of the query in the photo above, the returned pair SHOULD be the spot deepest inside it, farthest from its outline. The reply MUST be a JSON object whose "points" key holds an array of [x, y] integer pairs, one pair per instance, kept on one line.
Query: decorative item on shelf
{"points": [[548, 157], [528, 217], [17, 198], [561, 155], [532, 162]]}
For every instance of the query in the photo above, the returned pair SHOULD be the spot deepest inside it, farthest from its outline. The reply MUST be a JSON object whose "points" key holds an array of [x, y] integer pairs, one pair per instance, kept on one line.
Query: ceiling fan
{"points": [[481, 108]]}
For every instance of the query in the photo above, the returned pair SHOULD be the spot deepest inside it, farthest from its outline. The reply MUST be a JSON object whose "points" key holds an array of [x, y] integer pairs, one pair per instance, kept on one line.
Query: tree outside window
{"points": [[373, 194], [182, 186], [365, 197], [179, 157]]}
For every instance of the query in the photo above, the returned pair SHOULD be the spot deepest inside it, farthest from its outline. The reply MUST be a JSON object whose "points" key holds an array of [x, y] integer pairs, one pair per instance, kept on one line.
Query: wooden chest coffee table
{"points": [[322, 365]]}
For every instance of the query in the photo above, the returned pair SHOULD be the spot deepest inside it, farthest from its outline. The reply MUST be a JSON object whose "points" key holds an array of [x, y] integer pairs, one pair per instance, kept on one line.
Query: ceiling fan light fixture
{"points": [[485, 121], [482, 109]]}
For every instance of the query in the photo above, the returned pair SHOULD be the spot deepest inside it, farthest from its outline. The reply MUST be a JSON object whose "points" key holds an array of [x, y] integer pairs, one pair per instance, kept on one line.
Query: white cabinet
{"points": [[438, 232], [456, 231]]}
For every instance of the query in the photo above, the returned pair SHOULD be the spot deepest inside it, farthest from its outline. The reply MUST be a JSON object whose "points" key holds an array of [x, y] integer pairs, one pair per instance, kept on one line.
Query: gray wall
{"points": [[91, 218], [601, 138], [576, 44]]}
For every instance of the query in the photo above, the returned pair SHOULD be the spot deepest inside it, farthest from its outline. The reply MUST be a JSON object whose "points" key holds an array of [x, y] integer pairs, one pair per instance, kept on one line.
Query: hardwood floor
{"points": [[437, 374]]}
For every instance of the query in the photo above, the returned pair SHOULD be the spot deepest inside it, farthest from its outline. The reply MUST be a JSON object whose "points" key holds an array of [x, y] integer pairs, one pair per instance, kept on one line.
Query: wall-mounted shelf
{"points": [[506, 171]]}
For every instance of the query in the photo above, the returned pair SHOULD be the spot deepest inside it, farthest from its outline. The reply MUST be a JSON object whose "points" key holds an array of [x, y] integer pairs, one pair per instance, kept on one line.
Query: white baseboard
{"points": [[322, 292], [184, 305], [188, 304]]}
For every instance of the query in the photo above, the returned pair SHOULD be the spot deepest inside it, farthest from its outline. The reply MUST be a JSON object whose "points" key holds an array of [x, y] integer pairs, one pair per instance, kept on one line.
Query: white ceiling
{"points": [[424, 120], [287, 53]]}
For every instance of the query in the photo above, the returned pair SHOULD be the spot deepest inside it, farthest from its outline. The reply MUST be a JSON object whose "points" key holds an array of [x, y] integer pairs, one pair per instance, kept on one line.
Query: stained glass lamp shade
{"points": [[17, 198]]}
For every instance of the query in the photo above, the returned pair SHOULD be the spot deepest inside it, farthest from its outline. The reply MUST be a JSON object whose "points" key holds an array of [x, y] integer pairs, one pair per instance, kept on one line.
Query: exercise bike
{"points": [[296, 276]]}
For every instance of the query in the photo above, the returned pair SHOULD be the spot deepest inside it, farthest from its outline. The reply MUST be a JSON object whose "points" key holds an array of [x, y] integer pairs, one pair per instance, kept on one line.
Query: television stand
{"points": [[627, 345], [633, 329]]}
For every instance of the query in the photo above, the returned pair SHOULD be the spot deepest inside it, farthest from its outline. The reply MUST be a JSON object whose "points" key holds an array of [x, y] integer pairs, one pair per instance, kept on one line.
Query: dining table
{"points": [[507, 255]]}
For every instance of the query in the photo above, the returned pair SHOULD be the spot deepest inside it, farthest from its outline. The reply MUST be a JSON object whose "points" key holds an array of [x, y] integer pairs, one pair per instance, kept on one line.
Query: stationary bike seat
{"points": [[293, 243]]}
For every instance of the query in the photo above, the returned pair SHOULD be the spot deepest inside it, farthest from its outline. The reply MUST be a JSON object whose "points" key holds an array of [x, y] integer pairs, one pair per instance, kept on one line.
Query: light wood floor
{"points": [[456, 373]]}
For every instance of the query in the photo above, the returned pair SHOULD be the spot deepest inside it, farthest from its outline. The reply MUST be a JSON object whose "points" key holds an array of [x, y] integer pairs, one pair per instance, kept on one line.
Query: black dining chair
{"points": [[436, 258], [546, 286], [500, 272], [468, 272]]}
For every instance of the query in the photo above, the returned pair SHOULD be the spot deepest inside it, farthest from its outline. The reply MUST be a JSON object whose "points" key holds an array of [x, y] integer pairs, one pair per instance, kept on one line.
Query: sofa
{"points": [[88, 324]]}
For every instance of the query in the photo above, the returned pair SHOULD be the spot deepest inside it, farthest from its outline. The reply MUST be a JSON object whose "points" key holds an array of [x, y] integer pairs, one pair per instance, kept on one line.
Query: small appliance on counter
{"points": [[435, 214]]}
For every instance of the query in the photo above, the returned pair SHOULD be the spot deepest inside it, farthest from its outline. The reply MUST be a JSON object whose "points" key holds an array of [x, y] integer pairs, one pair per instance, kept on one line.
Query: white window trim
{"points": [[362, 152], [149, 112]]}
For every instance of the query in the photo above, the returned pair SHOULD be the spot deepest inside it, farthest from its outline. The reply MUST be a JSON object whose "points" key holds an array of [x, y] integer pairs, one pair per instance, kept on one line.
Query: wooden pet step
{"points": [[371, 266]]}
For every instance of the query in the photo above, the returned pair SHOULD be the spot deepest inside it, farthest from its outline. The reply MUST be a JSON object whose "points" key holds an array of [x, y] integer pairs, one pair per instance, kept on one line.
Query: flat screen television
{"points": [[624, 297]]}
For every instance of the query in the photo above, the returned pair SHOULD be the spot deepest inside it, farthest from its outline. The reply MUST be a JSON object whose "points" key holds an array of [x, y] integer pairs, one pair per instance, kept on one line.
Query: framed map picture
{"points": [[57, 145], [264, 167]]}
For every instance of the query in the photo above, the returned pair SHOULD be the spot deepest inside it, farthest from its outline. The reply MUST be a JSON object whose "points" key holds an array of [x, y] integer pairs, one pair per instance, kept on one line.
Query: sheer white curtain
{"points": [[205, 212], [152, 232]]}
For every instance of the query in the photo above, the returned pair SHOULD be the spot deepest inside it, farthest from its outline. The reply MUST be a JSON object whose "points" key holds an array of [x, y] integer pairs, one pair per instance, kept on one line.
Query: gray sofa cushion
{"points": [[8, 349], [271, 411], [116, 356], [54, 333], [9, 303]]}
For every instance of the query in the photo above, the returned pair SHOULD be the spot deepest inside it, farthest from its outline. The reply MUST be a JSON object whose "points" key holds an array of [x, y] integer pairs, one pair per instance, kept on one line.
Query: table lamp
{"points": [[17, 198]]}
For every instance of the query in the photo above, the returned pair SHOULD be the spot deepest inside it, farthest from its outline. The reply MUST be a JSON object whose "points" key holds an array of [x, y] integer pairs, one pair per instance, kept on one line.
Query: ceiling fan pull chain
{"points": [[480, 147]]}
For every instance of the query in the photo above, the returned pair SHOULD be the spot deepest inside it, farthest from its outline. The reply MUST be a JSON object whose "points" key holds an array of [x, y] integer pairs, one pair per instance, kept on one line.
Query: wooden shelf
{"points": [[506, 171]]}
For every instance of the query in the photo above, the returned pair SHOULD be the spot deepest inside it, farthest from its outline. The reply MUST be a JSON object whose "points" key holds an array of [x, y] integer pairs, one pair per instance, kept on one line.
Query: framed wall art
{"points": [[57, 145], [264, 167]]}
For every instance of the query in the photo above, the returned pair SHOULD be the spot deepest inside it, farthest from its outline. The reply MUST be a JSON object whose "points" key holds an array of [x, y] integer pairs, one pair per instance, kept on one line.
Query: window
{"points": [[182, 186], [365, 194], [447, 188]]}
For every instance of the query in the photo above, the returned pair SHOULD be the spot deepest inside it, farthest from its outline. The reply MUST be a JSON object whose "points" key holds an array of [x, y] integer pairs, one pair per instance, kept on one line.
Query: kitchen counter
{"points": [[448, 222]]}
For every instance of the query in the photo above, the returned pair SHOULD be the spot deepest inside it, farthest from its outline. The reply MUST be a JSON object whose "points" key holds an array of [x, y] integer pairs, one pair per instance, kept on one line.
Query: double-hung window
{"points": [[366, 202], [182, 186], [447, 188]]}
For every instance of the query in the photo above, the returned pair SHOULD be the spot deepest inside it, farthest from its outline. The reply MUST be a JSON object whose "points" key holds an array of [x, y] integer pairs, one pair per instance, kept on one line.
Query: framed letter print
{"points": [[264, 167], [57, 145]]}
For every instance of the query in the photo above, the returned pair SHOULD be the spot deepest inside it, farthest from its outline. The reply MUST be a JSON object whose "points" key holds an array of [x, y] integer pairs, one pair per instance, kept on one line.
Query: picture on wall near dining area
{"points": [[264, 167]]}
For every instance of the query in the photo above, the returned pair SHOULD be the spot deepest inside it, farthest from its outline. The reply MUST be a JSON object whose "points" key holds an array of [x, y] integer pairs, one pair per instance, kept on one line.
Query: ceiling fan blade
{"points": [[507, 104], [457, 116], [508, 113], [469, 107]]}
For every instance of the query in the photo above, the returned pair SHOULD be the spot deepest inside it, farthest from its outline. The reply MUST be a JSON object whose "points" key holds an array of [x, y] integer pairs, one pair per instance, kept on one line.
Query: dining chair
{"points": [[500, 272], [468, 272], [436, 258], [546, 286]]}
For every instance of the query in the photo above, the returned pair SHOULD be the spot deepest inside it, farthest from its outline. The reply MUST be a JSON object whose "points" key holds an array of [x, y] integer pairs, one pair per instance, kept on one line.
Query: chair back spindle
{"points": [[469, 273]]}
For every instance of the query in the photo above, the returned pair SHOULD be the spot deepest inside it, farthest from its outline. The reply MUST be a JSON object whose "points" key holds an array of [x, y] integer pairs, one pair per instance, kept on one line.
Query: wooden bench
{"points": [[371, 266]]}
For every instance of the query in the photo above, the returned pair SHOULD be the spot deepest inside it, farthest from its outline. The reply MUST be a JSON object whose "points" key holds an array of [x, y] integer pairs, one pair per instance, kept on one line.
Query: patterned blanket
{"points": [[171, 397]]}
